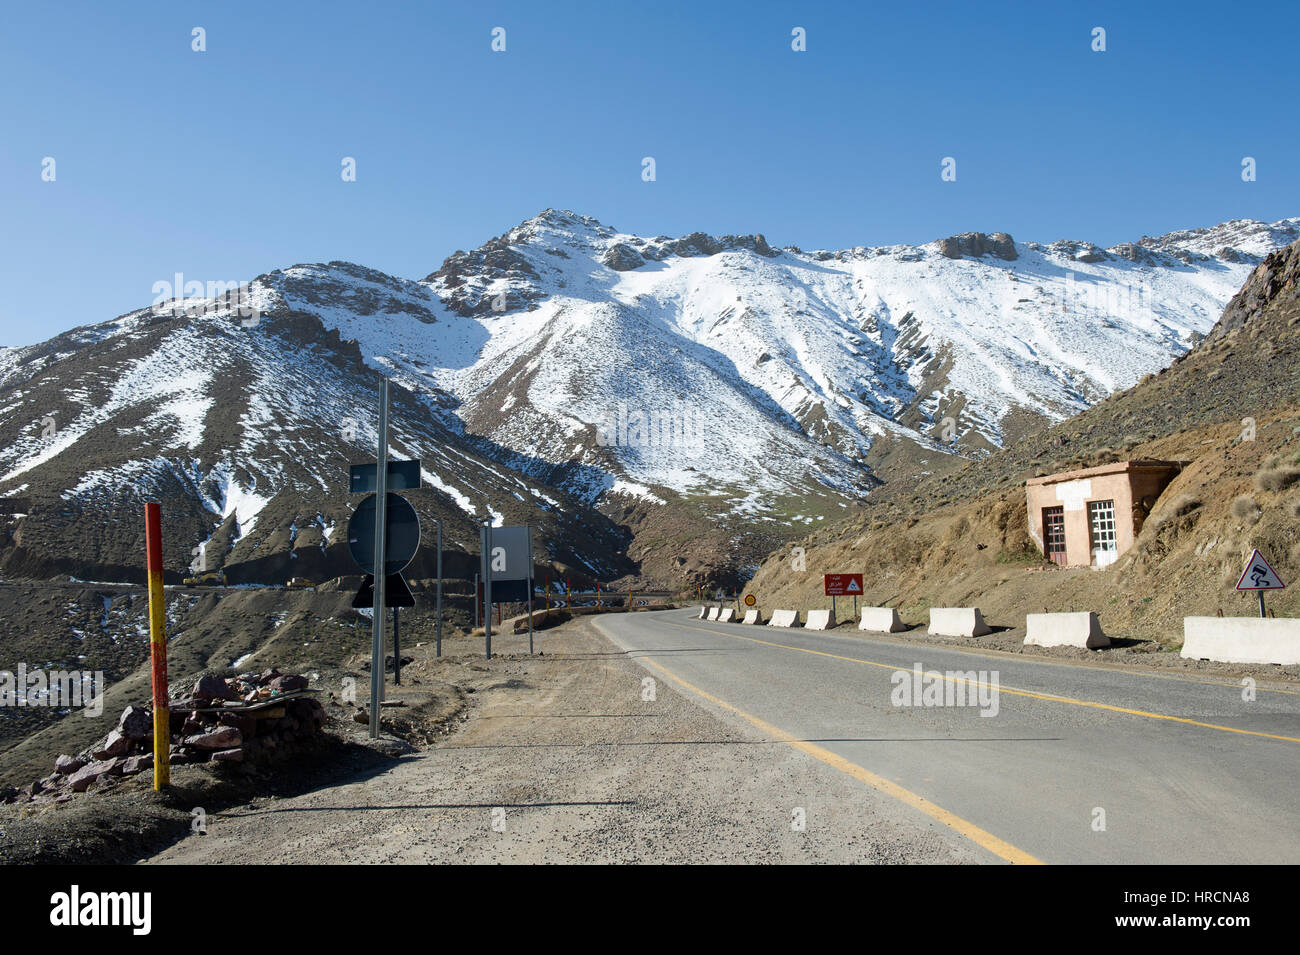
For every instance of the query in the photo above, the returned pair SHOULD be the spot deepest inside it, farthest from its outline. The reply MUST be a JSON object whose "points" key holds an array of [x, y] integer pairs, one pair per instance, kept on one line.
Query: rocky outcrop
{"points": [[1133, 252], [623, 258], [1275, 282], [978, 244]]}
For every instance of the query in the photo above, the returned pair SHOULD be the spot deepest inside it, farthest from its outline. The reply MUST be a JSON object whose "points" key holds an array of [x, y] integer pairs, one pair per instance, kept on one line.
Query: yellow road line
{"points": [[1141, 670], [1031, 694], [981, 837]]}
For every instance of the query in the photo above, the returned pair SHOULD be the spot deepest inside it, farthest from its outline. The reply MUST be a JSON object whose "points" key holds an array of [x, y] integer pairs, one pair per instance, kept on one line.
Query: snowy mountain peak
{"points": [[1235, 240]]}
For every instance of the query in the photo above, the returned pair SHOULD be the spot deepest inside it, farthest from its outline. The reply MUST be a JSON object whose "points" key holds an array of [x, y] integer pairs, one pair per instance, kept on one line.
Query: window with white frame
{"points": [[1101, 519]]}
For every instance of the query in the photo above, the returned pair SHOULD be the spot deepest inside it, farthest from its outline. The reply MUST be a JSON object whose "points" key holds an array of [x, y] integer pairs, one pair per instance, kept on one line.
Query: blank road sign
{"points": [[402, 534], [510, 558], [402, 476]]}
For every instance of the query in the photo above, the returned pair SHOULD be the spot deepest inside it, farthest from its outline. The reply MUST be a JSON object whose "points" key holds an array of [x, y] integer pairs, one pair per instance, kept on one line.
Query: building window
{"points": [[1054, 534], [1101, 518]]}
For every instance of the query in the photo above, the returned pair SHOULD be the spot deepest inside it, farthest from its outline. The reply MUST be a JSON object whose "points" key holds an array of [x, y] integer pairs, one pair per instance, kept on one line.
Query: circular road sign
{"points": [[403, 534], [750, 600]]}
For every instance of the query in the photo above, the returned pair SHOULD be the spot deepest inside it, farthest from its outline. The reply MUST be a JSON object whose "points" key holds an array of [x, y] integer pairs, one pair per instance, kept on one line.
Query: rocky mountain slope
{"points": [[1230, 407], [664, 408]]}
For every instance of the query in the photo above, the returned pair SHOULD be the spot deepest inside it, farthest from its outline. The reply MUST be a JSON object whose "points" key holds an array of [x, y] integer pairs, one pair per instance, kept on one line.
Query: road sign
{"points": [[510, 558], [750, 600], [1259, 575], [843, 585], [396, 593], [507, 591], [402, 533], [402, 476]]}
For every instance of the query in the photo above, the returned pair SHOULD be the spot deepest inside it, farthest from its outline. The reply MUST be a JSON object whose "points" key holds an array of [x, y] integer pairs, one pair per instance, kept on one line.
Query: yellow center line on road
{"points": [[986, 840], [1031, 694]]}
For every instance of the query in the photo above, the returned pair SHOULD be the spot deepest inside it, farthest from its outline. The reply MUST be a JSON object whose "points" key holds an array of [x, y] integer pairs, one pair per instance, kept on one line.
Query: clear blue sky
{"points": [[226, 164]]}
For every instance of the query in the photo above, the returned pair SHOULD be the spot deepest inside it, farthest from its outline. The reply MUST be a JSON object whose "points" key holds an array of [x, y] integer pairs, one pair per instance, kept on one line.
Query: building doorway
{"points": [[1054, 534]]}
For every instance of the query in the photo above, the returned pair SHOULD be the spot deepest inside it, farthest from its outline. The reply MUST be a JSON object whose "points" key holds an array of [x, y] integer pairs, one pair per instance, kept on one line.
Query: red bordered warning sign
{"points": [[1259, 575], [843, 585]]}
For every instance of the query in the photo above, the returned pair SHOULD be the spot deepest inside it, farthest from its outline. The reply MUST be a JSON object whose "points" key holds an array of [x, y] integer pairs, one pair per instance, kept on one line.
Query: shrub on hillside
{"points": [[1181, 506], [1244, 508], [1276, 479]]}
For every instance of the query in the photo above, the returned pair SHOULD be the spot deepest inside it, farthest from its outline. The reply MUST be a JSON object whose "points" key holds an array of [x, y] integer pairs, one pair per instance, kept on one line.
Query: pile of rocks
{"points": [[207, 725]]}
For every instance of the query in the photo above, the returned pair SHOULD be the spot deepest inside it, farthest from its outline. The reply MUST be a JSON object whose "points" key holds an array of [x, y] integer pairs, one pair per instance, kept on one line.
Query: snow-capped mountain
{"points": [[802, 362], [588, 381]]}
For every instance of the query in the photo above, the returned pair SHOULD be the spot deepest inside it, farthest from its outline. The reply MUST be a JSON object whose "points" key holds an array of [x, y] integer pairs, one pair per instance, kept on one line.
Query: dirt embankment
{"points": [[1234, 496]]}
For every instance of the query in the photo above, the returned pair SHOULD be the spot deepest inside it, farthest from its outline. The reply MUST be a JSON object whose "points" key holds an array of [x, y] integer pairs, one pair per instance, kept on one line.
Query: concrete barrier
{"points": [[784, 618], [1064, 630], [713, 613], [728, 614], [881, 620], [820, 620], [957, 622], [1242, 639], [703, 611], [753, 616]]}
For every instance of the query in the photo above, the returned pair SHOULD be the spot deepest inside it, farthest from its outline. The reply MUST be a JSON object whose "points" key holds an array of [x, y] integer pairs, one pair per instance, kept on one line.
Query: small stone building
{"points": [[1087, 518]]}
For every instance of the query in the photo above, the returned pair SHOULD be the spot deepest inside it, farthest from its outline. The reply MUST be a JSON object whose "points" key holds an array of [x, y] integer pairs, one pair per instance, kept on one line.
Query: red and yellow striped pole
{"points": [[158, 645]]}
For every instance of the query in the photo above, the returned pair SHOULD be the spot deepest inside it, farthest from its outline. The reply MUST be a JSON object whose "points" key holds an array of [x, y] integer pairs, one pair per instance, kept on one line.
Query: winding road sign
{"points": [[1259, 575]]}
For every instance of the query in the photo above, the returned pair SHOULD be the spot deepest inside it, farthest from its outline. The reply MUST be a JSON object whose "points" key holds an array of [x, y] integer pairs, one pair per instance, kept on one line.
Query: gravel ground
{"points": [[560, 760]]}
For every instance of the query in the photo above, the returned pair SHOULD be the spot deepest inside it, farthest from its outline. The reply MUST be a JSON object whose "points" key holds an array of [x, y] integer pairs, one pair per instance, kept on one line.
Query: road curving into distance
{"points": [[1072, 763]]}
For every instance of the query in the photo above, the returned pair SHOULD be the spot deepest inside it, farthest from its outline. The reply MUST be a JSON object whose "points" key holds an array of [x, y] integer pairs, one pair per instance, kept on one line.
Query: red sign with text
{"points": [[843, 585]]}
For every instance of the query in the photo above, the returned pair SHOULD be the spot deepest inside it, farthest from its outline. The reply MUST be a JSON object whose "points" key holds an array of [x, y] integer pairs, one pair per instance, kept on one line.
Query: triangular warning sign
{"points": [[852, 588], [1259, 575]]}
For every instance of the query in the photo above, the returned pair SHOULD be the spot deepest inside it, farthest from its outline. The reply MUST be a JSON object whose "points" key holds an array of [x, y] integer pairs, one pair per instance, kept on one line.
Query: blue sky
{"points": [[226, 163]]}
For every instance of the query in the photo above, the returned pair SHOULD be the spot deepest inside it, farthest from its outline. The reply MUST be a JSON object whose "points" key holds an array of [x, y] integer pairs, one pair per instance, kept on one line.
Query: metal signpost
{"points": [[379, 556], [843, 585], [485, 546], [507, 573], [383, 536], [438, 638], [1259, 576]]}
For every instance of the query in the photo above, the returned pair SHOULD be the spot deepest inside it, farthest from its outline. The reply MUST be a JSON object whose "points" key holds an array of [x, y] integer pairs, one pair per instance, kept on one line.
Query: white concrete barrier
{"points": [[881, 620], [784, 618], [703, 611], [728, 614], [957, 622], [753, 616], [1064, 630], [1242, 639], [820, 620], [713, 613]]}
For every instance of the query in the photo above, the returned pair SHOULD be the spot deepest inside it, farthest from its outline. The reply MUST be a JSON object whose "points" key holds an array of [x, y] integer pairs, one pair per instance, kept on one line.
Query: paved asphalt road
{"points": [[1185, 770]]}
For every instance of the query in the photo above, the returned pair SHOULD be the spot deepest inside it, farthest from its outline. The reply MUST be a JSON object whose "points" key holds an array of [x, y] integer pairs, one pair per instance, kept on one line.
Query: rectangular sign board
{"points": [[506, 591], [843, 585], [402, 476], [510, 558]]}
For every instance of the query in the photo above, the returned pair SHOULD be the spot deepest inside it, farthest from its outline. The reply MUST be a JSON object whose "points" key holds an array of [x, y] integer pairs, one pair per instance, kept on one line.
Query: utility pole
{"points": [[381, 550]]}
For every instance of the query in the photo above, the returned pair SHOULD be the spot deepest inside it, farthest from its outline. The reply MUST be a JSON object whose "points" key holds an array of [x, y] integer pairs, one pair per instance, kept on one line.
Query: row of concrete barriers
{"points": [[1219, 639], [1041, 629]]}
